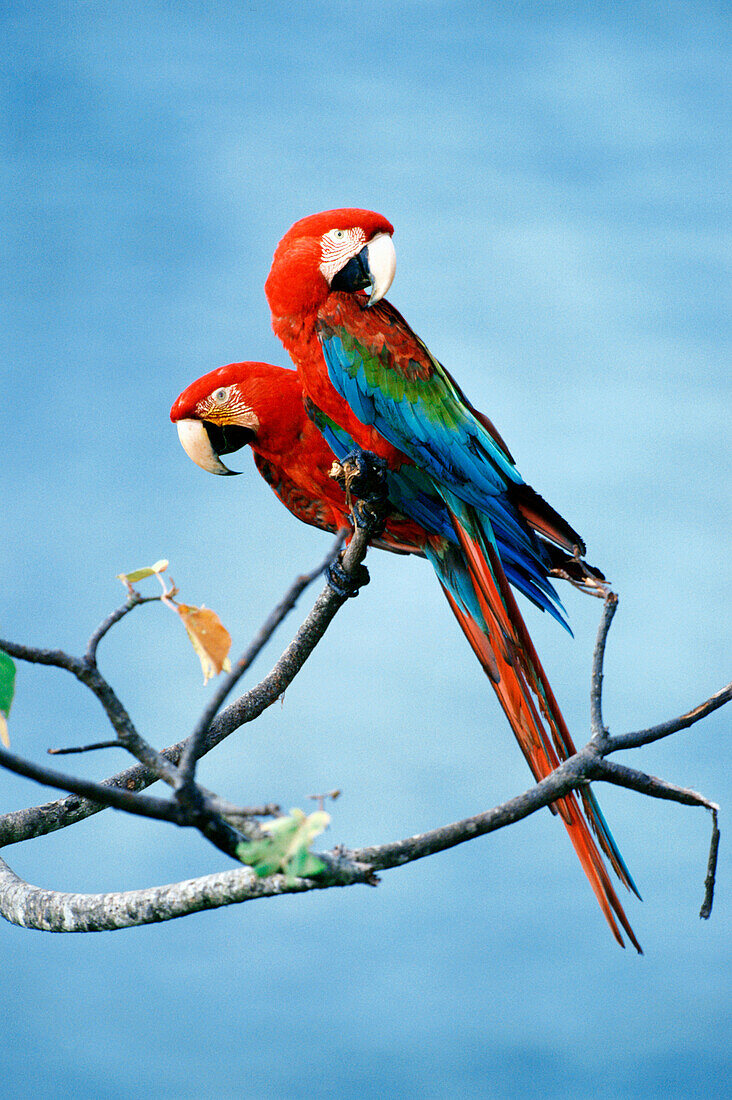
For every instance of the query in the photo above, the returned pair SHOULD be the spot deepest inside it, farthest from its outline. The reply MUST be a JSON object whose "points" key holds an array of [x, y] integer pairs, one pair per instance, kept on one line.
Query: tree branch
{"points": [[133, 600], [89, 675], [195, 812], [38, 820], [191, 806], [597, 725], [649, 785], [566, 778], [54, 911], [674, 725], [194, 746], [706, 910], [103, 795], [71, 750], [34, 907]]}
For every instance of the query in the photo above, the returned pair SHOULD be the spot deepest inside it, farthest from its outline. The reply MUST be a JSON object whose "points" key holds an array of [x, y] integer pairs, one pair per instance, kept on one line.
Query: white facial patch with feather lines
{"points": [[337, 247], [226, 406]]}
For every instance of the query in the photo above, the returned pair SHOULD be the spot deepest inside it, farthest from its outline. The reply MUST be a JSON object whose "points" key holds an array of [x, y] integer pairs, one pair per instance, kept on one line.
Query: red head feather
{"points": [[272, 393], [295, 284]]}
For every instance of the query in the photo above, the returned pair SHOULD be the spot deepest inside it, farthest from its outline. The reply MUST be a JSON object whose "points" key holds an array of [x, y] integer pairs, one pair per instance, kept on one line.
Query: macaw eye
{"points": [[220, 395], [336, 248]]}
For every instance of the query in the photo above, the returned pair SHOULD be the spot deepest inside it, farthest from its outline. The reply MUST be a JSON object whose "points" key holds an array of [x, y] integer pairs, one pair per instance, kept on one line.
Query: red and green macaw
{"points": [[369, 380], [262, 405]]}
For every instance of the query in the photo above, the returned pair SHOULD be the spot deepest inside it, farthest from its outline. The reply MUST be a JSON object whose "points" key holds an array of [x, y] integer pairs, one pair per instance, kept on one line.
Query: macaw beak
{"points": [[374, 266], [203, 442], [381, 264]]}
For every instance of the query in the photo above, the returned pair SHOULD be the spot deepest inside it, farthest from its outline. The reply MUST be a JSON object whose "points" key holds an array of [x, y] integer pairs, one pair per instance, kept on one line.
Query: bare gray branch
{"points": [[674, 725], [32, 906], [596, 723], [195, 743]]}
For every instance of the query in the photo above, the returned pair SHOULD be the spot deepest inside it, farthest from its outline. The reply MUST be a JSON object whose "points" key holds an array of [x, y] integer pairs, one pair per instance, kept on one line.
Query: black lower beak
{"points": [[226, 438], [355, 275]]}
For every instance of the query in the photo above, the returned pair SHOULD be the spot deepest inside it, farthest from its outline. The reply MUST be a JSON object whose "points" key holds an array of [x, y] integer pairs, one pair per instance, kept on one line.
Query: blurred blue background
{"points": [[557, 180]]}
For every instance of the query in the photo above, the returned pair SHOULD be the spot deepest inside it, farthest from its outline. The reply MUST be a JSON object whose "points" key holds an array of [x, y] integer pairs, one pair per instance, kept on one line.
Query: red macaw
{"points": [[369, 380], [262, 405]]}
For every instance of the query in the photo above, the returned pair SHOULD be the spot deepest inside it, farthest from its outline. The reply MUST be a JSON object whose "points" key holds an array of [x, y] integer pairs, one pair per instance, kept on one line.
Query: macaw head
{"points": [[346, 249], [236, 405]]}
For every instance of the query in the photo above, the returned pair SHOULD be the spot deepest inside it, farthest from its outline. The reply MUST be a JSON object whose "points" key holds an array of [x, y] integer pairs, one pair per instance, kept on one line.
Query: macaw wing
{"points": [[311, 510], [391, 380], [412, 491]]}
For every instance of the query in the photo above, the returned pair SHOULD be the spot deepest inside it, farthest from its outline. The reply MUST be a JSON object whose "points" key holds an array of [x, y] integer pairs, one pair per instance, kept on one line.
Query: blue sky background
{"points": [[558, 183]]}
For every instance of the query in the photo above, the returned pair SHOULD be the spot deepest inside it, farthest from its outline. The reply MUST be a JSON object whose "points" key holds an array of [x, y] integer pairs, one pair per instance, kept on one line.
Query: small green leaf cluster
{"points": [[286, 849], [7, 690]]}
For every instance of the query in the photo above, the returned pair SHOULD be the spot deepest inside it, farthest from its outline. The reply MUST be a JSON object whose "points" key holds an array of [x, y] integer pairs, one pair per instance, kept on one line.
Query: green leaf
{"points": [[140, 574], [307, 865], [286, 850], [7, 691], [7, 683]]}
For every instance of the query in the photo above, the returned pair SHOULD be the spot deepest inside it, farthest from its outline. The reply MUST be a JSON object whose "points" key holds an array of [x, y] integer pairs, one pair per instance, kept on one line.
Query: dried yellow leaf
{"points": [[209, 637]]}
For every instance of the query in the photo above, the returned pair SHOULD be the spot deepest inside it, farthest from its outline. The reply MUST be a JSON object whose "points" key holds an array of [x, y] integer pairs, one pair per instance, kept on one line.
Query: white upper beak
{"points": [[195, 442], [382, 265]]}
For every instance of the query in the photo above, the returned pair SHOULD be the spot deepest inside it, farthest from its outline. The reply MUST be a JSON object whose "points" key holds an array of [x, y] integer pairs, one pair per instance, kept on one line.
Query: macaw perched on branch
{"points": [[262, 405], [365, 371]]}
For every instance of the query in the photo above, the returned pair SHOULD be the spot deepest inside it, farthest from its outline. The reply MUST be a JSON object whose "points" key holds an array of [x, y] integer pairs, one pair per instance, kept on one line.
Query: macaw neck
{"points": [[290, 440], [299, 336], [282, 419]]}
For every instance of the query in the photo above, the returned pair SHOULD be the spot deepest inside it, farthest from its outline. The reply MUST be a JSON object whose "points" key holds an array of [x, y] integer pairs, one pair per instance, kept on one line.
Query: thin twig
{"points": [[85, 748], [195, 744], [103, 795], [229, 809], [195, 814], [134, 600], [599, 733], [122, 724], [650, 785], [621, 776], [674, 725], [327, 795], [54, 657], [89, 675], [706, 910]]}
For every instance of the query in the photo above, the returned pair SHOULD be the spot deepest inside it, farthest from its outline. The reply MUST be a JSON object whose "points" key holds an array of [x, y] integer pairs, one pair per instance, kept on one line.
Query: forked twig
{"points": [[31, 906]]}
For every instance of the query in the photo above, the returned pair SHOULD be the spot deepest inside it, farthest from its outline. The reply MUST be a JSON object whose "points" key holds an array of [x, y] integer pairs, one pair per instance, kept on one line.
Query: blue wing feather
{"points": [[446, 440], [415, 494]]}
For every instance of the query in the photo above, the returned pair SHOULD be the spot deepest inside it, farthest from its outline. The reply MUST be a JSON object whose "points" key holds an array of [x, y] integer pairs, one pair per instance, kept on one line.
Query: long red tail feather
{"points": [[513, 667]]}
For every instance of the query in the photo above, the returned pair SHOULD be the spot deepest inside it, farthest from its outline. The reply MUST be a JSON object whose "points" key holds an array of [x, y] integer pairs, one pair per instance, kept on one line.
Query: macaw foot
{"points": [[362, 476], [580, 574], [346, 584]]}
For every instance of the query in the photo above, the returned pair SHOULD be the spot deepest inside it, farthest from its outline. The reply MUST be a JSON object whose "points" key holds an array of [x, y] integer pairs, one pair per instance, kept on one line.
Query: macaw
{"points": [[368, 379], [262, 405]]}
